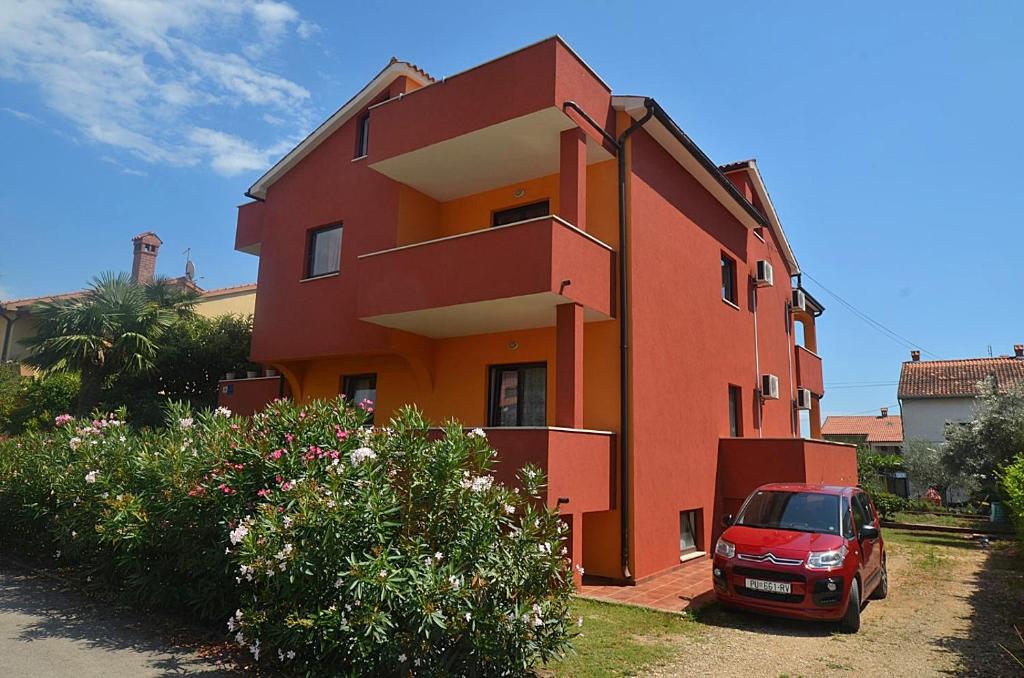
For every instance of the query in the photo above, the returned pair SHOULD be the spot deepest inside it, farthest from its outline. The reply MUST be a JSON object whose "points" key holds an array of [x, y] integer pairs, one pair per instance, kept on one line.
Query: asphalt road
{"points": [[48, 630]]}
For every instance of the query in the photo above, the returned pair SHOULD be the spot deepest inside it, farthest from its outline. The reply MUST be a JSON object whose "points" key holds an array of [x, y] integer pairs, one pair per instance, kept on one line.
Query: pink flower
{"points": [[340, 433], [263, 493], [289, 437], [62, 419]]}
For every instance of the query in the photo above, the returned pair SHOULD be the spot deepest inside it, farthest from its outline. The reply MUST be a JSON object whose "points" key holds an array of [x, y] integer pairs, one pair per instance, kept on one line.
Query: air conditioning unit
{"points": [[764, 275], [803, 399], [799, 300], [769, 387]]}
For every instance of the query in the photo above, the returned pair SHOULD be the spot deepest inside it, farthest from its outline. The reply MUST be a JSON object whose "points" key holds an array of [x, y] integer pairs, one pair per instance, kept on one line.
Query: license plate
{"points": [[769, 586]]}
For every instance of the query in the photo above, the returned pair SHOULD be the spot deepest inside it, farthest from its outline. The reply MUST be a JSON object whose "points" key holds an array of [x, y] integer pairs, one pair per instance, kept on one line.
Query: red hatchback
{"points": [[806, 551]]}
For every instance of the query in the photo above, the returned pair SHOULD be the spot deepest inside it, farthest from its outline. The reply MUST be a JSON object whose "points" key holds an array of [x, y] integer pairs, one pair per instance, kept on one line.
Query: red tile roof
{"points": [[958, 378], [877, 429]]}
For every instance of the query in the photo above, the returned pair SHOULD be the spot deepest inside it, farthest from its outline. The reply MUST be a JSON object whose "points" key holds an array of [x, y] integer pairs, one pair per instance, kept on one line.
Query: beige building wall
{"points": [[241, 301]]}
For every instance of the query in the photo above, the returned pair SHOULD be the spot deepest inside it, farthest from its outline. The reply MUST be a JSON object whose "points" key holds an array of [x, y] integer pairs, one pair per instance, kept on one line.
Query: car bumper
{"points": [[814, 595]]}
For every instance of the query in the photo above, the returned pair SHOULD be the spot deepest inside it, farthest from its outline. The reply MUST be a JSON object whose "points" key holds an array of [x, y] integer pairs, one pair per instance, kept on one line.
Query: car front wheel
{"points": [[850, 623]]}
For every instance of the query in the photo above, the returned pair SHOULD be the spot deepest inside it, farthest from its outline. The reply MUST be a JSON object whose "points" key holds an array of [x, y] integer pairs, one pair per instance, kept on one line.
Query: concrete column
{"points": [[815, 418], [572, 178], [569, 366]]}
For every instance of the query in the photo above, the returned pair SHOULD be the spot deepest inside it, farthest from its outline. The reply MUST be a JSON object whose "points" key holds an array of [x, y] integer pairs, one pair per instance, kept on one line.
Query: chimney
{"points": [[1018, 350], [145, 248], [885, 412], [915, 355]]}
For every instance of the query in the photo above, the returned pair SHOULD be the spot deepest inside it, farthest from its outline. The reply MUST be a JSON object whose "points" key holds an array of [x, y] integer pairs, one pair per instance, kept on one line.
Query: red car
{"points": [[805, 551]]}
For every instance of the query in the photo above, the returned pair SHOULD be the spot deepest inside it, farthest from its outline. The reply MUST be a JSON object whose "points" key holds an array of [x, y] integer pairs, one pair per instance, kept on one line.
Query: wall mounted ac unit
{"points": [[803, 399], [799, 300], [769, 387], [764, 276]]}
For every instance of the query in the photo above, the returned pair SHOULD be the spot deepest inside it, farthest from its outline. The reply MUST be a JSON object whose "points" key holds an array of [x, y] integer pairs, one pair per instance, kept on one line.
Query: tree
{"points": [[926, 467], [979, 449], [112, 329], [193, 354]]}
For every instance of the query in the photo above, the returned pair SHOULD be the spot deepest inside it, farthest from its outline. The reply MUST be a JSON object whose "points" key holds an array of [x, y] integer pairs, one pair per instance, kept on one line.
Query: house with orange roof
{"points": [[881, 433], [18, 323]]}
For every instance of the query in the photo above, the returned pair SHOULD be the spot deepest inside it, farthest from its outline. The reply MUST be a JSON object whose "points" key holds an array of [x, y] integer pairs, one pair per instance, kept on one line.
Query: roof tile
{"points": [[958, 378], [878, 429]]}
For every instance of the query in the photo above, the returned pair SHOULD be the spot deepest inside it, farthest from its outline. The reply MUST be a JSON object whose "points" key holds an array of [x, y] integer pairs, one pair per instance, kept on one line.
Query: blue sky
{"points": [[887, 134]]}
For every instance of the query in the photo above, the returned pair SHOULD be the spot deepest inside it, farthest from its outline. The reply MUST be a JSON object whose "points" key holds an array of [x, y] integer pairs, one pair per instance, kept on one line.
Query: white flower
{"points": [[478, 484], [510, 509], [290, 654], [579, 568], [74, 443], [240, 638], [402, 658], [477, 433], [331, 503], [438, 556], [90, 477], [238, 534], [338, 582], [185, 423], [362, 454], [231, 624], [537, 621], [416, 662], [287, 521], [469, 616], [579, 621], [255, 649], [454, 581], [222, 412]]}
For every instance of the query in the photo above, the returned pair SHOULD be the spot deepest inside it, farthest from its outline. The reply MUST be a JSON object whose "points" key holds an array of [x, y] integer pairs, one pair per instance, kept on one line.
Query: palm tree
{"points": [[111, 329]]}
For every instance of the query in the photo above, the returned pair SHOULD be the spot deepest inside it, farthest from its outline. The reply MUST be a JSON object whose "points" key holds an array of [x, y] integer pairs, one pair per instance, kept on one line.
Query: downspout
{"points": [[757, 375], [623, 311]]}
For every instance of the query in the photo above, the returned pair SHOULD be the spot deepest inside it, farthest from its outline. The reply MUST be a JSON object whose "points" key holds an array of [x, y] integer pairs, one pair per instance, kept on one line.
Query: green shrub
{"points": [[327, 546], [889, 504], [38, 400], [1011, 482]]}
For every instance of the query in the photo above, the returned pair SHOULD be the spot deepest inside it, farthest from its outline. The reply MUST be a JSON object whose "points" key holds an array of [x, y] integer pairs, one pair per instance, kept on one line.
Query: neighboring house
{"points": [[18, 323], [459, 245], [881, 433], [937, 394]]}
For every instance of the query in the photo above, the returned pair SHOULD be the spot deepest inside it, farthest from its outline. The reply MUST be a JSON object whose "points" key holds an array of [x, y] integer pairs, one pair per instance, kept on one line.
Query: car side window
{"points": [[847, 519], [861, 511]]}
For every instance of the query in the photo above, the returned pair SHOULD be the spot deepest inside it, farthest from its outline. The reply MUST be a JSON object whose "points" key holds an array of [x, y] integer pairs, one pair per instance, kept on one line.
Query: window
{"points": [[689, 529], [862, 511], [360, 387], [324, 251], [796, 511], [363, 136], [735, 411], [729, 279], [521, 213], [518, 395]]}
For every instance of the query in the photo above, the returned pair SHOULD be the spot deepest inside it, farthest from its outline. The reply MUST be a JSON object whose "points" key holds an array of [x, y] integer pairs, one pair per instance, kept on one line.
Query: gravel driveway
{"points": [[950, 603], [47, 630]]}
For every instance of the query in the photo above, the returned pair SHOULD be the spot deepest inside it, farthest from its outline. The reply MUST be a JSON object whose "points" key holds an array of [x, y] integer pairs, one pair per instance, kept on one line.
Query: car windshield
{"points": [[799, 511]]}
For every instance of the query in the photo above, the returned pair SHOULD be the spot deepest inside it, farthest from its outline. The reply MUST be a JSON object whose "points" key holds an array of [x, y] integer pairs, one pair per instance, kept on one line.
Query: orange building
{"points": [[520, 249]]}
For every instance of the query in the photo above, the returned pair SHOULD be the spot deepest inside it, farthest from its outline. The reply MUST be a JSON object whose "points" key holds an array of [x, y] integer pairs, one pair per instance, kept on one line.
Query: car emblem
{"points": [[771, 558]]}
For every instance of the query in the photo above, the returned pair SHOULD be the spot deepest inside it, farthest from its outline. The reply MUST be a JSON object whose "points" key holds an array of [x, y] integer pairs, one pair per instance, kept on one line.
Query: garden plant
{"points": [[319, 544]]}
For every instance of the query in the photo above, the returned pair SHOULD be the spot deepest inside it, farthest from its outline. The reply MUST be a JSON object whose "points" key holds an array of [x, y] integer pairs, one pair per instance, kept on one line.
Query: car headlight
{"points": [[725, 548], [824, 560]]}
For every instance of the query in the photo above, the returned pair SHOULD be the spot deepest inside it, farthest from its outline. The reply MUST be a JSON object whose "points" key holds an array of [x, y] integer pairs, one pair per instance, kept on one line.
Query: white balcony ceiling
{"points": [[515, 150], [482, 317]]}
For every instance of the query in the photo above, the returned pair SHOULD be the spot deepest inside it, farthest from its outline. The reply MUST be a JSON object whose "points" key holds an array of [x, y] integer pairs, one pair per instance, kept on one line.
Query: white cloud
{"points": [[139, 75], [21, 115], [307, 29]]}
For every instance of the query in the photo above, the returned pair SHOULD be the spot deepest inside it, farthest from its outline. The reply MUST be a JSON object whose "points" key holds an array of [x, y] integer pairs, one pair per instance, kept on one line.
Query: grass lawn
{"points": [[618, 640], [949, 520]]}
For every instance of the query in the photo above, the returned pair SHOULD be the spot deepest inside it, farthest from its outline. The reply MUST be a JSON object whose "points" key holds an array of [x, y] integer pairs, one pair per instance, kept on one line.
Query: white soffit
{"points": [[482, 317], [498, 155]]}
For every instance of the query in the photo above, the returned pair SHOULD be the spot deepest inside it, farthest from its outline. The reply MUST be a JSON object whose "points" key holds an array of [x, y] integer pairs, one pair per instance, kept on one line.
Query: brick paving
{"points": [[686, 588]]}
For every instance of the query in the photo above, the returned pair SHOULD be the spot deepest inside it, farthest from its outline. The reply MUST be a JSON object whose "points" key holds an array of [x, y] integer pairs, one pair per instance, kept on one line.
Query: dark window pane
{"points": [[518, 395], [728, 279], [324, 251], [734, 411], [363, 136], [687, 532], [522, 213], [360, 388]]}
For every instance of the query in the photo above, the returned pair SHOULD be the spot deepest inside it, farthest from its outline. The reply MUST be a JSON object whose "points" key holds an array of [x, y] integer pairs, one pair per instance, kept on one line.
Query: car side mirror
{"points": [[727, 520], [869, 532]]}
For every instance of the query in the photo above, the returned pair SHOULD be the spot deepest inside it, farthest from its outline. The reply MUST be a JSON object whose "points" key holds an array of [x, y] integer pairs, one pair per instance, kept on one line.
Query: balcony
{"points": [[808, 371], [490, 280], [579, 464]]}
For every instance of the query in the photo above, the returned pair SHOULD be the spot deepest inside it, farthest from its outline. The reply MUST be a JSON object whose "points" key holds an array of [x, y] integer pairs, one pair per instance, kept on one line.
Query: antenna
{"points": [[990, 350], [190, 268]]}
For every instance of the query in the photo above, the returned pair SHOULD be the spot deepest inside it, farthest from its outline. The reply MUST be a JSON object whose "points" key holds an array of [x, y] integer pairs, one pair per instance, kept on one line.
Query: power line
{"points": [[878, 385], [899, 339]]}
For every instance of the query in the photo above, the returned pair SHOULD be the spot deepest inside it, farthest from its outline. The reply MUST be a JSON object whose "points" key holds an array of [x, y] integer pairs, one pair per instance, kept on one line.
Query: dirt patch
{"points": [[950, 602]]}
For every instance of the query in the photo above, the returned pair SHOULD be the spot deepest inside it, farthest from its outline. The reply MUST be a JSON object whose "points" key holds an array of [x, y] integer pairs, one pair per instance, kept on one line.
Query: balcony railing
{"points": [[491, 280], [808, 371]]}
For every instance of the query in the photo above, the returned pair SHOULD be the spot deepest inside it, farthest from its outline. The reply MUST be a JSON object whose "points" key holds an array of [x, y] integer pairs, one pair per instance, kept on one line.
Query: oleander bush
{"points": [[324, 545], [1011, 481]]}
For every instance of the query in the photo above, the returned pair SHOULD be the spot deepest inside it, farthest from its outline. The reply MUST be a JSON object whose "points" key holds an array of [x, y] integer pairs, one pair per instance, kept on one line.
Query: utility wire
{"points": [[903, 341]]}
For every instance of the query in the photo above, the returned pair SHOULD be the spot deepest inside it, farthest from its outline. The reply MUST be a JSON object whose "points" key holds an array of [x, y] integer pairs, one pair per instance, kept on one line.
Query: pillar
{"points": [[569, 366], [572, 178]]}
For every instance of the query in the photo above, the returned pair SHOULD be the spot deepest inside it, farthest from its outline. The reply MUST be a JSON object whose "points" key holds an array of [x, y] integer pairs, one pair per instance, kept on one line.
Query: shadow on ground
{"points": [[996, 605], [90, 639], [717, 615]]}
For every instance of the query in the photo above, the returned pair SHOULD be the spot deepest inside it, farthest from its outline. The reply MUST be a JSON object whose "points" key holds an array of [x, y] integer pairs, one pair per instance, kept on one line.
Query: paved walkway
{"points": [[47, 630], [685, 588]]}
